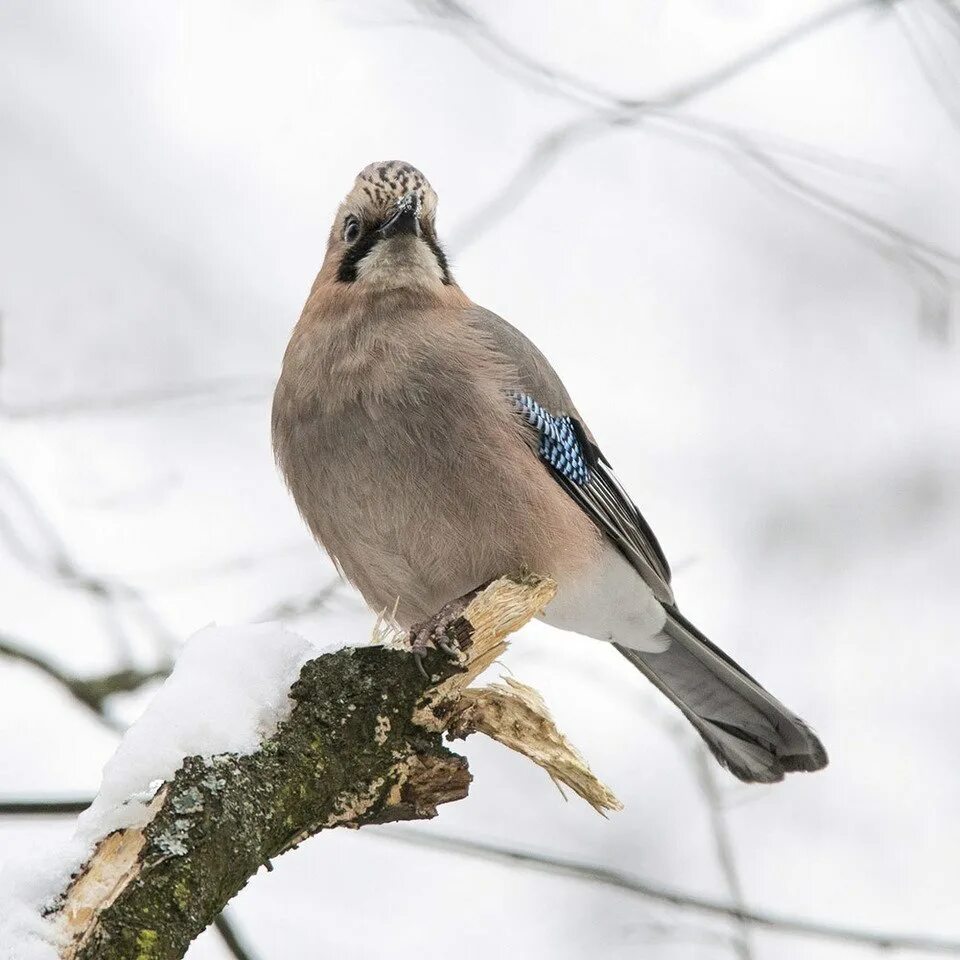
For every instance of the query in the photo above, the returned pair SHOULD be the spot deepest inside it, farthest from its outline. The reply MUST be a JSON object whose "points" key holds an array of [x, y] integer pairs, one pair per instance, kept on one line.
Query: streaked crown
{"points": [[379, 186]]}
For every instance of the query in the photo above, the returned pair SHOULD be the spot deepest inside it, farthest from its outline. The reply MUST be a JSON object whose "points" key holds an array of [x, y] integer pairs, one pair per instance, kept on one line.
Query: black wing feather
{"points": [[607, 504], [580, 467]]}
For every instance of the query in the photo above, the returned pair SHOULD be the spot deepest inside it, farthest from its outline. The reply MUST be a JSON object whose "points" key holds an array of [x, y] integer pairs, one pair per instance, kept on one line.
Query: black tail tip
{"points": [[753, 760], [817, 759]]}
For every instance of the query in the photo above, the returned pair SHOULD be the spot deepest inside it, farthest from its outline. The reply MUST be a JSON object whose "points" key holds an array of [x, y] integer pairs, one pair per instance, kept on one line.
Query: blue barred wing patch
{"points": [[560, 444], [582, 470]]}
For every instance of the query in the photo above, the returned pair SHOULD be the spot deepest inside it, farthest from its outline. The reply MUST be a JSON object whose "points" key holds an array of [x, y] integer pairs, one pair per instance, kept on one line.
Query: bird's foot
{"points": [[447, 630]]}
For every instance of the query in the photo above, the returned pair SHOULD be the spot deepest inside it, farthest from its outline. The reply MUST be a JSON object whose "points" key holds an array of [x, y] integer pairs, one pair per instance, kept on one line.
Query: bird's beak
{"points": [[405, 220]]}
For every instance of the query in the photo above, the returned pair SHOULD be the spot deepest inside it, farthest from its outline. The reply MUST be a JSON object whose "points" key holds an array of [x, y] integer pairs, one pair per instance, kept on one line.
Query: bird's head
{"points": [[384, 236]]}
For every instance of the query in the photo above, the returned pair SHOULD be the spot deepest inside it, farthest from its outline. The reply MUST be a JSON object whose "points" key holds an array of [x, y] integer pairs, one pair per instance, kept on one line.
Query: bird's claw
{"points": [[418, 660], [448, 631], [448, 646]]}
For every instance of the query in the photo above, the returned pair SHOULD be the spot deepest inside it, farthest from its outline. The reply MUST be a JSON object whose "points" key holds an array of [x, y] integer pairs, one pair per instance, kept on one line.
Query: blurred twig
{"points": [[505, 55], [779, 923], [53, 561], [613, 111], [225, 390], [172, 579], [594, 873], [56, 564], [545, 153], [940, 75], [723, 844], [926, 265], [293, 608], [712, 79], [34, 807], [92, 692], [231, 938], [496, 49], [703, 767], [951, 12]]}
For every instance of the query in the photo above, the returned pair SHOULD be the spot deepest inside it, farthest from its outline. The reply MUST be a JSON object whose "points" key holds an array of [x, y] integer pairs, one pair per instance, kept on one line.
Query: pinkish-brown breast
{"points": [[394, 431]]}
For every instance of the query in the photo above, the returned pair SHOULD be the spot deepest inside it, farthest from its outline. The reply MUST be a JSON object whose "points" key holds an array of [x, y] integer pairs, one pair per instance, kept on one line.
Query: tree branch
{"points": [[723, 844], [775, 922], [36, 807], [92, 692], [225, 390], [43, 551], [230, 937], [362, 745], [930, 269], [596, 873]]}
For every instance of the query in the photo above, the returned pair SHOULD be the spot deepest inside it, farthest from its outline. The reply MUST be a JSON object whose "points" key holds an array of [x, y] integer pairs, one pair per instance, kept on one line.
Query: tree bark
{"points": [[362, 744]]}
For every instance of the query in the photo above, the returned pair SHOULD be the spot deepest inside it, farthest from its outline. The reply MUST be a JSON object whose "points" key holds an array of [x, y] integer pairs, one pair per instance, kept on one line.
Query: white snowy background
{"points": [[774, 374]]}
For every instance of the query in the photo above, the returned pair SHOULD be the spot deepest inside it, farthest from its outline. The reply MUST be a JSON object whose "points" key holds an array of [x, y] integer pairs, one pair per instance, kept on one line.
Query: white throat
{"points": [[405, 261]]}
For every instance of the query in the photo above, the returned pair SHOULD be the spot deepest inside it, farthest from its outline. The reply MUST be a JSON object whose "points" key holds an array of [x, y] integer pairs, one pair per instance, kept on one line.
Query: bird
{"points": [[430, 448]]}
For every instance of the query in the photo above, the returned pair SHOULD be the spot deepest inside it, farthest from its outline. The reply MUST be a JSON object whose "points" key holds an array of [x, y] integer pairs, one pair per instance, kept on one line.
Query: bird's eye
{"points": [[351, 230]]}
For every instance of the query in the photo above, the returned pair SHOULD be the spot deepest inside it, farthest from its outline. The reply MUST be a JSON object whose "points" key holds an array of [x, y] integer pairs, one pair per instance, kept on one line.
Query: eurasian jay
{"points": [[430, 448]]}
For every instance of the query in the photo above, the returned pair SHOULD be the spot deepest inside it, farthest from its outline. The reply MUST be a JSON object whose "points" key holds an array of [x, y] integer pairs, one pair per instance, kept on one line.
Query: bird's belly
{"points": [[413, 560], [610, 601], [420, 507], [413, 538]]}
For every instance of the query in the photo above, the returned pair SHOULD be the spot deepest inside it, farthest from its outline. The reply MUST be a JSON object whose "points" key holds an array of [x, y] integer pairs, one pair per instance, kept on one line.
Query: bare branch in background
{"points": [[172, 579], [712, 79], [723, 844], [926, 264], [497, 50], [871, 225], [42, 551], [939, 73], [951, 14], [543, 155], [693, 749], [778, 923], [72, 807], [294, 608], [931, 270], [231, 938], [35, 807], [225, 390], [595, 873], [608, 111], [53, 561], [505, 55], [615, 113], [92, 692]]}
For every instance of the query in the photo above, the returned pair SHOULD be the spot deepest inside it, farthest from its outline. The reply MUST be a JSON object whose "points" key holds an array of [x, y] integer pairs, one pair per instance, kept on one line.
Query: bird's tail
{"points": [[750, 732]]}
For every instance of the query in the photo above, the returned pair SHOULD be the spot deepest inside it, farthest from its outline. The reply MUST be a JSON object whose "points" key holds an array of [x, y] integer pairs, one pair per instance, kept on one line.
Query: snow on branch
{"points": [[355, 739]]}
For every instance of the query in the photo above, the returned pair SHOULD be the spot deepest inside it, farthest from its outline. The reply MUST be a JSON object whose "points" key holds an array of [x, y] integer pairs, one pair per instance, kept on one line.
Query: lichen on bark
{"points": [[331, 762], [362, 745]]}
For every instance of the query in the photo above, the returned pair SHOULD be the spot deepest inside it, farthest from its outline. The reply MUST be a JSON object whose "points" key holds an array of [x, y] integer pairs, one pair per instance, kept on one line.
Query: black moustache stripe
{"points": [[434, 245], [347, 271]]}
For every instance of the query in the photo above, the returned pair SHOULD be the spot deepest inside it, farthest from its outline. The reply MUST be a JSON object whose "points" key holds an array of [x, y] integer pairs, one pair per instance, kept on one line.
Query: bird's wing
{"points": [[568, 450]]}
